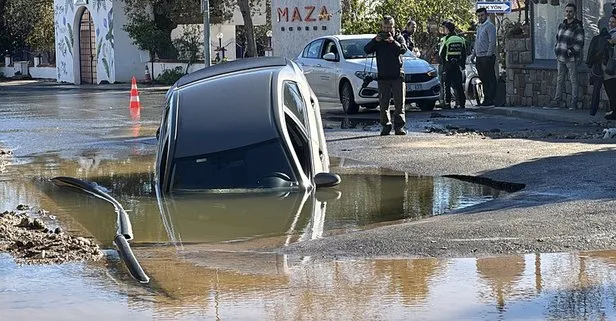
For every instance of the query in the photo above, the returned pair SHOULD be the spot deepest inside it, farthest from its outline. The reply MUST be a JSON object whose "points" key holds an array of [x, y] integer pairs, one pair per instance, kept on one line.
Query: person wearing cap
{"points": [[453, 58]]}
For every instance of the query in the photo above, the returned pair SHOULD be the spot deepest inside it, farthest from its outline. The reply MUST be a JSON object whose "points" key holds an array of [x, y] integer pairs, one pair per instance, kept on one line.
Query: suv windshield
{"points": [[354, 49], [256, 166]]}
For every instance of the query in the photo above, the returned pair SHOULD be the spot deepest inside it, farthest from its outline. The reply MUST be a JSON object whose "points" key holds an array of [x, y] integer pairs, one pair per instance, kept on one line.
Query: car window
{"points": [[240, 168], [305, 51], [330, 46], [293, 100], [299, 141], [314, 49], [354, 49]]}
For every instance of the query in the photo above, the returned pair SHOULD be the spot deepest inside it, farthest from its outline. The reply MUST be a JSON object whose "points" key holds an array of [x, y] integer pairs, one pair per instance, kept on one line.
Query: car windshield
{"points": [[354, 49], [256, 166]]}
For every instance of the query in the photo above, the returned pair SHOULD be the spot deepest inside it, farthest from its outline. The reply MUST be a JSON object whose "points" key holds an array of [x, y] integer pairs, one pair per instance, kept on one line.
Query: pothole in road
{"points": [[367, 195]]}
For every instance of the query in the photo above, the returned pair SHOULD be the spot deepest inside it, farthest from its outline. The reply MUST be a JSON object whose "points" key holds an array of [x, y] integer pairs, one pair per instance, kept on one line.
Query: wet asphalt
{"points": [[567, 203]]}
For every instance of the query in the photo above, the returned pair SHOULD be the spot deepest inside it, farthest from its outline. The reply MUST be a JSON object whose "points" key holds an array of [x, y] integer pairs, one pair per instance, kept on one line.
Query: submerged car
{"points": [[247, 125], [338, 69]]}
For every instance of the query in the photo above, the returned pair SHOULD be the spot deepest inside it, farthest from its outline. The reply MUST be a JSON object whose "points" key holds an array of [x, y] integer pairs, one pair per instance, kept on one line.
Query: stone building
{"points": [[530, 59]]}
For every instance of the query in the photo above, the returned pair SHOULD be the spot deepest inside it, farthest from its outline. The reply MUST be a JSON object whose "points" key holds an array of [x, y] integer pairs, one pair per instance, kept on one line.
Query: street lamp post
{"points": [[269, 51], [220, 48], [205, 9]]}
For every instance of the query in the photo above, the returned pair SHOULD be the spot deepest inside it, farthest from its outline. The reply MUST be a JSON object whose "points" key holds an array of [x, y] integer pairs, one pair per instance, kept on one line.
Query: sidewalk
{"points": [[36, 84], [578, 116]]}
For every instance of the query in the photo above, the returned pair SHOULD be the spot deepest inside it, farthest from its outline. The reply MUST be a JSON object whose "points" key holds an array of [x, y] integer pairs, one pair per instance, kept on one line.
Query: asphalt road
{"points": [[567, 172]]}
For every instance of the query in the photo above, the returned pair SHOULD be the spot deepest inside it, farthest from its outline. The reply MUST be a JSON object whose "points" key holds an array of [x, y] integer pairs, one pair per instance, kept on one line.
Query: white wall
{"points": [[287, 40], [129, 60], [35, 72], [159, 67], [43, 72]]}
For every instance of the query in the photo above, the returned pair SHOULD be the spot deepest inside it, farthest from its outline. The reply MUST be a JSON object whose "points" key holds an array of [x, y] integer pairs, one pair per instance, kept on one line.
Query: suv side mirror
{"points": [[326, 180], [330, 56]]}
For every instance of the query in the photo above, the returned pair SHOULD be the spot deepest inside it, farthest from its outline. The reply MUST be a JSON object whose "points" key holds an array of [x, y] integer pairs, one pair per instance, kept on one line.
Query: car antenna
{"points": [[125, 229]]}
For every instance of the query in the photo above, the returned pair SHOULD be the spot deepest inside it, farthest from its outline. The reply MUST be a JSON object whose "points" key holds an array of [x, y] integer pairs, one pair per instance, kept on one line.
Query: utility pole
{"points": [[205, 9]]}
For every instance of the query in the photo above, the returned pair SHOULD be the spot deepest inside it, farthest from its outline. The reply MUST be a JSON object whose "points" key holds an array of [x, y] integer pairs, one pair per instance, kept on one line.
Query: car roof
{"points": [[347, 37], [230, 67], [226, 112]]}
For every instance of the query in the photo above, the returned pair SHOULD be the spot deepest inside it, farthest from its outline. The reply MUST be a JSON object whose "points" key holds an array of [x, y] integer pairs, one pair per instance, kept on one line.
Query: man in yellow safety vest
{"points": [[453, 61]]}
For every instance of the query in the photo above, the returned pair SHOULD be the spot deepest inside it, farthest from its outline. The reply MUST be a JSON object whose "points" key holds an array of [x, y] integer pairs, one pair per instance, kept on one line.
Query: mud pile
{"points": [[30, 241]]}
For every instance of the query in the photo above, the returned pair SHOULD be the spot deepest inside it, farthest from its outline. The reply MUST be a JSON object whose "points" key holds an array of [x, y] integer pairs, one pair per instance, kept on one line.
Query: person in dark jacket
{"points": [[408, 33], [453, 58], [389, 46], [609, 80], [595, 59]]}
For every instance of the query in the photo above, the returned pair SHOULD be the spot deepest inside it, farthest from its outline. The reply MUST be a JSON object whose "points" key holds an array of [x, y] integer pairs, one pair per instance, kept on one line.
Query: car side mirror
{"points": [[326, 180], [330, 56]]}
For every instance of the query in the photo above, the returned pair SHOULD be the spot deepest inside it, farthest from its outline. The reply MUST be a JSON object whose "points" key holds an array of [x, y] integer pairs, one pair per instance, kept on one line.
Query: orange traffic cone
{"points": [[134, 95], [148, 78]]}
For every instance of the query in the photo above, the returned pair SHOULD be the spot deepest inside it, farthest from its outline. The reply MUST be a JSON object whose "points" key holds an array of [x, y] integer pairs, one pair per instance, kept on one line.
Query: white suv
{"points": [[340, 77]]}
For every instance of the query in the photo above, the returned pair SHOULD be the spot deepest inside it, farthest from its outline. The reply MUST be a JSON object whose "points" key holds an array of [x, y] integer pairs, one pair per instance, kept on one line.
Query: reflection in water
{"points": [[197, 285], [368, 196]]}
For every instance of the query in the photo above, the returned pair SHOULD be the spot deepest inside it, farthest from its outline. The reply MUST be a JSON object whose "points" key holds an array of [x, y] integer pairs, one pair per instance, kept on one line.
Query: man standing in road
{"points": [[389, 47], [568, 50], [408, 33], [453, 58], [485, 54]]}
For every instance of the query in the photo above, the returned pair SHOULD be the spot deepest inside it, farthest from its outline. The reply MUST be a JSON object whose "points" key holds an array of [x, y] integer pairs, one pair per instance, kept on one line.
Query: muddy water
{"points": [[212, 258], [195, 287]]}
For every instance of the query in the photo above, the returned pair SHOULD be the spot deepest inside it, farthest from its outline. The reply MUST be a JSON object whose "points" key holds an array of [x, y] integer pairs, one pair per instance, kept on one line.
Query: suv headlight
{"points": [[433, 72], [365, 74]]}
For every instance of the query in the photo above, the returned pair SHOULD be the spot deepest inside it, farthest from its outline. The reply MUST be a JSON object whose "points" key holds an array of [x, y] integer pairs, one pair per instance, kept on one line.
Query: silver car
{"points": [[248, 125], [338, 69]]}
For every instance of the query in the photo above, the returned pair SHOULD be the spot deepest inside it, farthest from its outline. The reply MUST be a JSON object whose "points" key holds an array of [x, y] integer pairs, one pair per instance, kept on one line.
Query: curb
{"points": [[56, 86], [562, 115]]}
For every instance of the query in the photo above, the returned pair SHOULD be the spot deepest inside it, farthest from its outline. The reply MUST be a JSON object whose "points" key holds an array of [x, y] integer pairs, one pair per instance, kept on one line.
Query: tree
{"points": [[145, 33], [364, 16], [165, 15], [27, 24], [189, 44], [359, 16], [251, 44]]}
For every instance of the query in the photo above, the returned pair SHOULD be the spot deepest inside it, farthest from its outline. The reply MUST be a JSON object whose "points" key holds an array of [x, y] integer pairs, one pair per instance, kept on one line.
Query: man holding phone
{"points": [[389, 46]]}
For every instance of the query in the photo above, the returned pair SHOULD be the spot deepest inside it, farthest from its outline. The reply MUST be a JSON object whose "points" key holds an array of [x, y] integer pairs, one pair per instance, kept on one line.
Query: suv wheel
{"points": [[426, 105], [347, 98]]}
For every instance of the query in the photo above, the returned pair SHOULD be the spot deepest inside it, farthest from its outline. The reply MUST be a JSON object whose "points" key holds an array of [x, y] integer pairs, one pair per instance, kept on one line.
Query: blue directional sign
{"points": [[498, 7]]}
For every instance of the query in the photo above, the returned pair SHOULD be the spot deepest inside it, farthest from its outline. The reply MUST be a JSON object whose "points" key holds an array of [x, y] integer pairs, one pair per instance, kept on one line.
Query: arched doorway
{"points": [[87, 48]]}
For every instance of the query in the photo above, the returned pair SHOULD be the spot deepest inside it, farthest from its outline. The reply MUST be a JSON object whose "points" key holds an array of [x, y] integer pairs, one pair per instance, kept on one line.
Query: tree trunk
{"points": [[251, 43]]}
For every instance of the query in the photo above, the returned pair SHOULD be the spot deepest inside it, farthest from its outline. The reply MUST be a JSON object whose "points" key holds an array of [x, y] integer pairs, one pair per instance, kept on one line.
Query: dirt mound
{"points": [[30, 241]]}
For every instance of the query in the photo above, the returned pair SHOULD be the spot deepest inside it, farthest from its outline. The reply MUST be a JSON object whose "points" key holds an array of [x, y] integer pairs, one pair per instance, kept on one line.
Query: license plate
{"points": [[414, 87]]}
